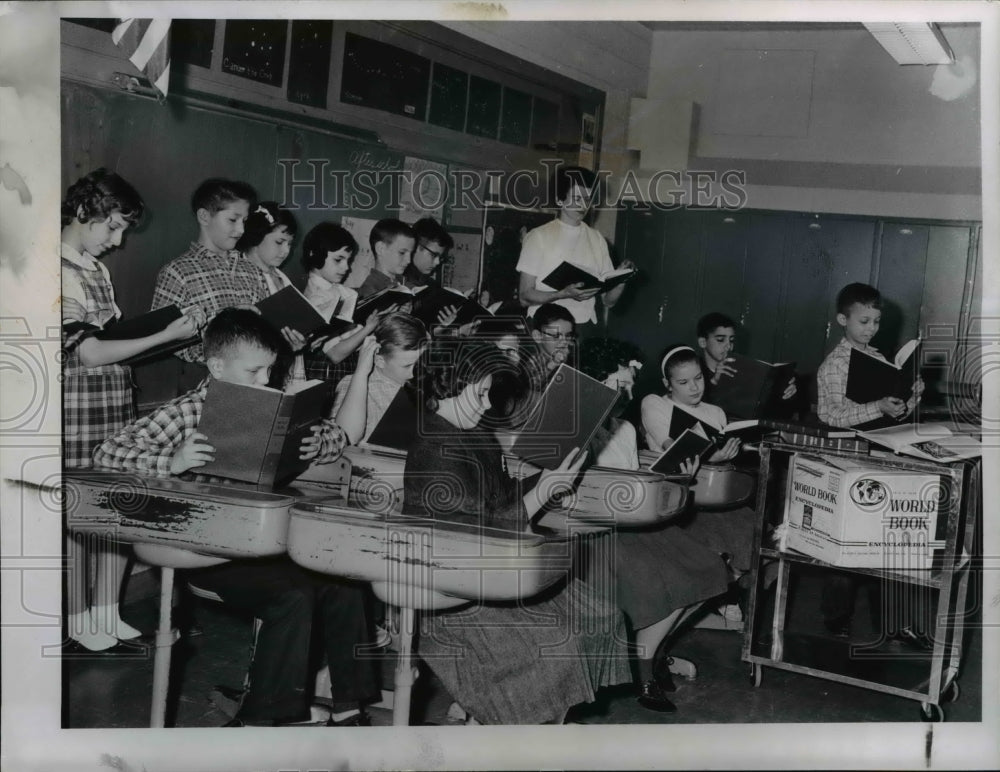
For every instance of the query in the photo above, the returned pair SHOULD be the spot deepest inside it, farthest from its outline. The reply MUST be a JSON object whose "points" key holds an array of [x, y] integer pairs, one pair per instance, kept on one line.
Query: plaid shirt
{"points": [[831, 382], [148, 445], [212, 282]]}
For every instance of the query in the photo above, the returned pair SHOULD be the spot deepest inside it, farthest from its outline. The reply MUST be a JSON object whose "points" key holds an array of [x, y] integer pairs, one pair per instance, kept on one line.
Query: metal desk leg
{"points": [[406, 674], [165, 639]]}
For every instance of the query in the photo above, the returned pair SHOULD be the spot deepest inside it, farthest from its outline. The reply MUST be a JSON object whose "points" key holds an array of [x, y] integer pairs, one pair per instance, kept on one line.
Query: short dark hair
{"points": [[267, 216], [233, 326], [710, 322], [551, 312], [675, 356], [429, 229], [400, 332], [323, 238], [215, 193], [452, 364], [601, 357], [386, 231], [100, 194], [863, 294], [568, 176]]}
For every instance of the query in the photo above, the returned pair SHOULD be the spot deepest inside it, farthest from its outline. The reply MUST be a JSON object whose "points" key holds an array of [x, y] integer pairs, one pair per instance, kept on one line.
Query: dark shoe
{"points": [[73, 649], [839, 627], [662, 676], [358, 719], [652, 697]]}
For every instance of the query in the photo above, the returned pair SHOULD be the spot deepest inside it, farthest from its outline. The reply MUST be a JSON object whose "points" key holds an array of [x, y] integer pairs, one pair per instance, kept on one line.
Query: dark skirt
{"points": [[530, 663], [660, 571]]}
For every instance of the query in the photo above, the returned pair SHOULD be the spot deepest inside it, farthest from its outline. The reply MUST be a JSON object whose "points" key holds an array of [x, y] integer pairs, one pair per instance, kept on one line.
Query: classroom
{"points": [[772, 195]]}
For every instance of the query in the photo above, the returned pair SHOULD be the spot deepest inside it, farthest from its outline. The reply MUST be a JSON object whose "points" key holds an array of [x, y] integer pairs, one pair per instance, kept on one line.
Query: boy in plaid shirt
{"points": [[859, 313], [211, 273], [240, 347]]}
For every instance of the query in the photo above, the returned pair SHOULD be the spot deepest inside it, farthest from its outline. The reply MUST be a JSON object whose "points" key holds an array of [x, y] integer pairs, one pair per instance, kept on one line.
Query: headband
{"points": [[674, 350], [267, 215], [635, 363]]}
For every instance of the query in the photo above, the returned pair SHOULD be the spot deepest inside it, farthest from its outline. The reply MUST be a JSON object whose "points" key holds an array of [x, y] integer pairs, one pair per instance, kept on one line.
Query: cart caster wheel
{"points": [[952, 693], [932, 713], [756, 674]]}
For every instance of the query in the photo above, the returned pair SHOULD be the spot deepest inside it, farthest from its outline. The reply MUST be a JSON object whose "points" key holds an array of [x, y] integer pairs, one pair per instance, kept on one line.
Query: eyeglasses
{"points": [[569, 337], [431, 252]]}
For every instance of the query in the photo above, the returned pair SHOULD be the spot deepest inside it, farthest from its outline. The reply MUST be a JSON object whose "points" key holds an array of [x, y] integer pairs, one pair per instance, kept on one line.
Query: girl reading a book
{"points": [[385, 363], [662, 576], [728, 532], [510, 663], [98, 396]]}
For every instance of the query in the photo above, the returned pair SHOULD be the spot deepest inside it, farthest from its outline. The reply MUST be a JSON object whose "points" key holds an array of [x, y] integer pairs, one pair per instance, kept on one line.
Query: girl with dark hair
{"points": [[98, 396], [516, 663]]}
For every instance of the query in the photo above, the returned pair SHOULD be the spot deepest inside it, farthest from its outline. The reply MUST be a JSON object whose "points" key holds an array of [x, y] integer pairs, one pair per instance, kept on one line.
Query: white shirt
{"points": [[657, 412], [325, 295], [548, 245]]}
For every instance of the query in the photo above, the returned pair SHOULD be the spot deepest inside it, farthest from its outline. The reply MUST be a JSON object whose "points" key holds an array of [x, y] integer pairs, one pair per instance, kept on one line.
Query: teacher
{"points": [[567, 238]]}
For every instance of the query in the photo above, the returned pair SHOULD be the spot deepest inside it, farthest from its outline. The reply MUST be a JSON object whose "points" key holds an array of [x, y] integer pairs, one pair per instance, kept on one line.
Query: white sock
{"points": [[110, 621], [344, 714], [81, 627]]}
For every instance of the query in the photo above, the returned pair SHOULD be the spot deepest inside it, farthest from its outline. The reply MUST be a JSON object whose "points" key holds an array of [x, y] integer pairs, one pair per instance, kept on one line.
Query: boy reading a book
{"points": [[392, 243], [859, 313], [716, 339], [211, 274], [432, 245], [567, 238], [240, 347]]}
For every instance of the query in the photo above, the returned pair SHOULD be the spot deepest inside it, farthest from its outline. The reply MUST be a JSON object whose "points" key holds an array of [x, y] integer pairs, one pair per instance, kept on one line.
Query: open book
{"points": [[566, 274], [257, 431], [430, 301], [681, 420], [571, 409], [143, 326], [930, 441], [380, 301], [870, 379], [756, 388], [289, 308], [692, 443]]}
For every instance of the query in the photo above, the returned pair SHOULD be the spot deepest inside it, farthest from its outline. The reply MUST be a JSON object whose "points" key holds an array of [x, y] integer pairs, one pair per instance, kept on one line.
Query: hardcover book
{"points": [[930, 441], [398, 426], [289, 308], [257, 431], [870, 379], [143, 326], [569, 412], [566, 274], [430, 301], [691, 444], [381, 301], [756, 388]]}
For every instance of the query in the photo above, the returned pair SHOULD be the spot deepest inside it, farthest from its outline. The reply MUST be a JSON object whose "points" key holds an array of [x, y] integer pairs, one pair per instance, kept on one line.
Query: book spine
{"points": [[848, 444], [276, 443]]}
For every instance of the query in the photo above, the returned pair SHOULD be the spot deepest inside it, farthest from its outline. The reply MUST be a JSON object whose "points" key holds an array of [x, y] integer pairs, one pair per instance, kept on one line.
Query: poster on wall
{"points": [[461, 268], [423, 190], [504, 229], [361, 229], [587, 134]]}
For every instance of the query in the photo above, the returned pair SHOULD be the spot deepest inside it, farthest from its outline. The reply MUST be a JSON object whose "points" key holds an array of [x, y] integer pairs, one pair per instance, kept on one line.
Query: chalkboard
{"points": [[545, 125], [484, 107], [309, 62], [192, 40], [255, 49], [515, 121], [449, 97], [384, 77]]}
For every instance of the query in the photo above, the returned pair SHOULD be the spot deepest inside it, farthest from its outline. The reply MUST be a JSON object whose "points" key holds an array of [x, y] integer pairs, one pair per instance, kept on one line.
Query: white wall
{"points": [[866, 129]]}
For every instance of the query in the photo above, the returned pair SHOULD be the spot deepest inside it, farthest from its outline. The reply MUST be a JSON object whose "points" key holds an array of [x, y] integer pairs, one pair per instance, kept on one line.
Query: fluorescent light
{"points": [[912, 42]]}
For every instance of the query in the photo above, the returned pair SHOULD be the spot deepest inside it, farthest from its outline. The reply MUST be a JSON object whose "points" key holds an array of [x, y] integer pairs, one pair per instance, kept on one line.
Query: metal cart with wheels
{"points": [[771, 639]]}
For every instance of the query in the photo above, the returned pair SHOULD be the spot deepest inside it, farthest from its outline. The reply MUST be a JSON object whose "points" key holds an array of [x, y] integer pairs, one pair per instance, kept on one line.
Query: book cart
{"points": [[929, 677]]}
